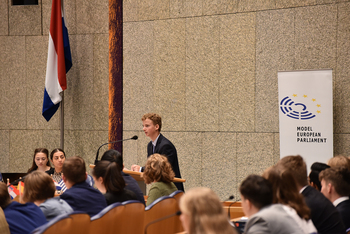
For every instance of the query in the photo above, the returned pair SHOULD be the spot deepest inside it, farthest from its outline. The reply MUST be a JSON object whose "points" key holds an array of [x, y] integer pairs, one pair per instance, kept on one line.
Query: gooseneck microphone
{"points": [[17, 181], [229, 198], [132, 138], [228, 210], [161, 219]]}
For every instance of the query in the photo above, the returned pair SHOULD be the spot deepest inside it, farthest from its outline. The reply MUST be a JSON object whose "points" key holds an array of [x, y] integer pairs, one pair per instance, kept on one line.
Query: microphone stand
{"points": [[132, 138], [16, 181], [228, 210]]}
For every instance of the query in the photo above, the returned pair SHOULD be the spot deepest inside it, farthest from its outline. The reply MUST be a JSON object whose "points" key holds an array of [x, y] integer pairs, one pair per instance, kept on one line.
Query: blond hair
{"points": [[158, 169], [155, 118], [339, 161], [205, 212]]}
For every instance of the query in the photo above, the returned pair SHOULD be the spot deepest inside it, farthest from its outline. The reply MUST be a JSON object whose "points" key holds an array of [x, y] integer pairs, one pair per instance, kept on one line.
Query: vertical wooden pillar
{"points": [[115, 127]]}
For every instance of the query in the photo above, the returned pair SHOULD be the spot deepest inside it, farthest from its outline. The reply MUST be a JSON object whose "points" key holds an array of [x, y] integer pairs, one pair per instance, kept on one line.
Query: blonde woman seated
{"points": [[40, 189], [159, 174], [285, 191], [202, 213]]}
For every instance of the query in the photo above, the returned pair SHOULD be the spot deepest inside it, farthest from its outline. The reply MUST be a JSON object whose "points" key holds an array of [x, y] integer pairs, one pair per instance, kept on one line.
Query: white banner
{"points": [[306, 115]]}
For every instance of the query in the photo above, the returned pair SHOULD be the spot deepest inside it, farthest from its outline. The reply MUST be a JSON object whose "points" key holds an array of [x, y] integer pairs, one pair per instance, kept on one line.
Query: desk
{"points": [[235, 212]]}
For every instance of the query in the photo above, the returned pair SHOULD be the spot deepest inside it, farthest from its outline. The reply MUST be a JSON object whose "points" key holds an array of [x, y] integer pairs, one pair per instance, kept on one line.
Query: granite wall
{"points": [[209, 67]]}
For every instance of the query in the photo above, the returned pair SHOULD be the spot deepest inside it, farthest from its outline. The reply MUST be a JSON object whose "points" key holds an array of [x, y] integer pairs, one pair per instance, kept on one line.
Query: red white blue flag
{"points": [[13, 191], [59, 61]]}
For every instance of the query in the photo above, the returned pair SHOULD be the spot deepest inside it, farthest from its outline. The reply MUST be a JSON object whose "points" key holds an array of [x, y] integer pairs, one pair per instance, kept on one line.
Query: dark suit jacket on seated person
{"points": [[165, 147], [23, 218], [132, 185], [323, 213], [344, 210], [83, 197]]}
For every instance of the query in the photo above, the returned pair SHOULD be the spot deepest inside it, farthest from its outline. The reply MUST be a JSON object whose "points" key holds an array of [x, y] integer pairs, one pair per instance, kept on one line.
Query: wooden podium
{"points": [[138, 176]]}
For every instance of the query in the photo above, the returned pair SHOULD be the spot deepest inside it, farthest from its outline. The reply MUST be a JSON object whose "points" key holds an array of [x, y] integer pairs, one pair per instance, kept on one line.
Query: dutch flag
{"points": [[59, 61]]}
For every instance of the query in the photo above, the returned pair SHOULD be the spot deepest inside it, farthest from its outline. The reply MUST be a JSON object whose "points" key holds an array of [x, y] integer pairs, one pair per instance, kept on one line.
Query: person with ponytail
{"points": [[336, 187], [109, 181]]}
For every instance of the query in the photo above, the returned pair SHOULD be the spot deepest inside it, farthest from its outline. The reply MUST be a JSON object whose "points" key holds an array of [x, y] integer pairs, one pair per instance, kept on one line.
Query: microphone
{"points": [[132, 138], [161, 219], [18, 180], [228, 210], [229, 198]]}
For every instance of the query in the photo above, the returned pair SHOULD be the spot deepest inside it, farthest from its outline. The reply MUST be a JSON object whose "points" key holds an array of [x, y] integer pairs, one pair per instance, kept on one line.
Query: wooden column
{"points": [[115, 127]]}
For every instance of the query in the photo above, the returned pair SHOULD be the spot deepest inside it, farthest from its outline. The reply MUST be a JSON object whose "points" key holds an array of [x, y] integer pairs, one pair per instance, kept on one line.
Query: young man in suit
{"points": [[152, 124], [263, 216], [336, 187], [79, 194], [324, 215]]}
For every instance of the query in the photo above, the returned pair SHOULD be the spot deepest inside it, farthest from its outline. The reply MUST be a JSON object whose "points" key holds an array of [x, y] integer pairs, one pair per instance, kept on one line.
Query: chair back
{"points": [[126, 217], [80, 222], [177, 195], [106, 221], [75, 222], [133, 218], [160, 208]]}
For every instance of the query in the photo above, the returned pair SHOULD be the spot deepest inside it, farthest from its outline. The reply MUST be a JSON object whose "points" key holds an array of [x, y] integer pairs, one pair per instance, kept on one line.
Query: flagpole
{"points": [[62, 123]]}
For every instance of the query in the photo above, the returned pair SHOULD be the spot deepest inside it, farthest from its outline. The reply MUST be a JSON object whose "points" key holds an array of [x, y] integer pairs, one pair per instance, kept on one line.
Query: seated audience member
{"points": [[80, 195], [4, 227], [202, 212], [263, 216], [21, 218], [40, 189], [316, 168], [57, 156], [324, 215], [131, 184], [339, 161], [41, 161], [110, 182], [336, 187], [285, 192], [159, 174]]}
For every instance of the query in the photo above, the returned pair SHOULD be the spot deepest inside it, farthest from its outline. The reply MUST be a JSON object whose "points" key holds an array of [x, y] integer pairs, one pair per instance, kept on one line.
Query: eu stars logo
{"points": [[303, 108]]}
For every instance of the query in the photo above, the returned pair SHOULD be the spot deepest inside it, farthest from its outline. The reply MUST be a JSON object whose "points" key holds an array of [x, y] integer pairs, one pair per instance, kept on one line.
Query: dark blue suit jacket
{"points": [[165, 147], [83, 197], [344, 210], [324, 215], [23, 218]]}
